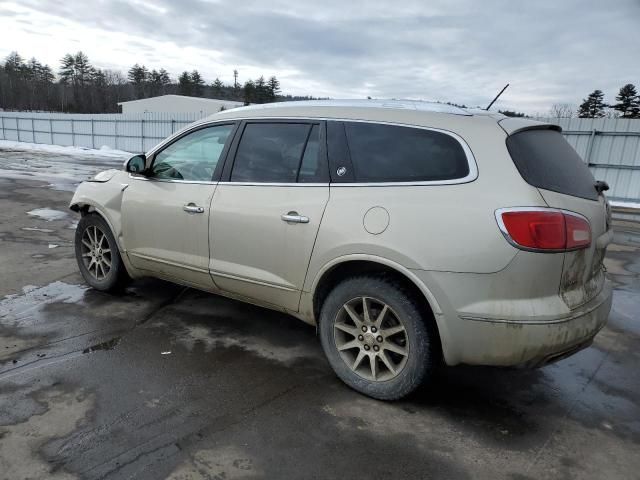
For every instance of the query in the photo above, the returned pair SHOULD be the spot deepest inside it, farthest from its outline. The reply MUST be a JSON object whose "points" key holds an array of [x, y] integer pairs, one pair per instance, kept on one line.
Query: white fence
{"points": [[136, 132], [611, 147]]}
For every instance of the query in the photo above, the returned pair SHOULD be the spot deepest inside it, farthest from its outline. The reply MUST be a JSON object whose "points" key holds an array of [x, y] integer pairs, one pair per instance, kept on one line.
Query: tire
{"points": [[409, 354], [101, 267]]}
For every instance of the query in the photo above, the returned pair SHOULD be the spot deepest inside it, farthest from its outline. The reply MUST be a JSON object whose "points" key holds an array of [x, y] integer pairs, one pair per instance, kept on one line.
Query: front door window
{"points": [[193, 157]]}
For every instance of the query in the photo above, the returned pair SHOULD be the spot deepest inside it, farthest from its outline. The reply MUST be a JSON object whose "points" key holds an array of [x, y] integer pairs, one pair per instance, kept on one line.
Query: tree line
{"points": [[80, 87], [627, 105]]}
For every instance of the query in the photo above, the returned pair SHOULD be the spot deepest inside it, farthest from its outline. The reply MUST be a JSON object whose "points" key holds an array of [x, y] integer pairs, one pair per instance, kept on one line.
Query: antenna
{"points": [[497, 96]]}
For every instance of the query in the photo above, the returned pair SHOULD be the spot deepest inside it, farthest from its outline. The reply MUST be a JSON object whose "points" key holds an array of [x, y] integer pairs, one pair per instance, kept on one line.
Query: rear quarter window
{"points": [[391, 153], [546, 160]]}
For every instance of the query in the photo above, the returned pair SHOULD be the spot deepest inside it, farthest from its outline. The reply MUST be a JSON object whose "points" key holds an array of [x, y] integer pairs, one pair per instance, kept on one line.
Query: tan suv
{"points": [[408, 232]]}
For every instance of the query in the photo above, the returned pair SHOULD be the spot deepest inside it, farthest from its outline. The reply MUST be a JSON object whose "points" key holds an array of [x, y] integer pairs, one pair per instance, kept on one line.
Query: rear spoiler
{"points": [[514, 125]]}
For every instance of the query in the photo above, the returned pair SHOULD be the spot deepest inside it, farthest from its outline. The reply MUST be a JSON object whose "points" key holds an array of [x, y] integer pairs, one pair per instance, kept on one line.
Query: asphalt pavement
{"points": [[162, 381]]}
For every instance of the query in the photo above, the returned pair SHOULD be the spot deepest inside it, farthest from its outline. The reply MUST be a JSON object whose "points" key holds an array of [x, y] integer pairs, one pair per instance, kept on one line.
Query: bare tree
{"points": [[561, 110]]}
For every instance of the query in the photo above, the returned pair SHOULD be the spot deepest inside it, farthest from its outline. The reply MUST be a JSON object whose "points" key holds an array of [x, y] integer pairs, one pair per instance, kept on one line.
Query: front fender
{"points": [[104, 198]]}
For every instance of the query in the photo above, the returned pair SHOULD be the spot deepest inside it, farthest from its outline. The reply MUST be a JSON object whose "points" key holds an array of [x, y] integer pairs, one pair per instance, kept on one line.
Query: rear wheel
{"points": [[97, 254], [376, 338]]}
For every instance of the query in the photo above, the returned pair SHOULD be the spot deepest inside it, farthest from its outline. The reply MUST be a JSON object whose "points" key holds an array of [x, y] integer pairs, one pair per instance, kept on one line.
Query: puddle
{"points": [[16, 309], [108, 345], [200, 335], [48, 214]]}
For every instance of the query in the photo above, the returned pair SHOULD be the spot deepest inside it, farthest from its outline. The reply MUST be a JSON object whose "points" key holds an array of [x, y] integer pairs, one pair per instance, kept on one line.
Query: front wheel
{"points": [[97, 254], [375, 337]]}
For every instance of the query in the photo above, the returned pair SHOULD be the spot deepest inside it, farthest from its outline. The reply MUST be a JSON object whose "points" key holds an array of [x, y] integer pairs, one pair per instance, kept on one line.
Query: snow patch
{"points": [[62, 168], [53, 245], [48, 214], [615, 203], [42, 147]]}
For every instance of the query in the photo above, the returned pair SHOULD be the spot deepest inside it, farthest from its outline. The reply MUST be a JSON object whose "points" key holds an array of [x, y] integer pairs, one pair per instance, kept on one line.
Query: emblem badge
{"points": [[341, 171]]}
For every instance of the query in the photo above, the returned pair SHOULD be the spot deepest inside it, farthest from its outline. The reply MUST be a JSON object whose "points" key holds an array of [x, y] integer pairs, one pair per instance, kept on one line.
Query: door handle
{"points": [[193, 208], [293, 217]]}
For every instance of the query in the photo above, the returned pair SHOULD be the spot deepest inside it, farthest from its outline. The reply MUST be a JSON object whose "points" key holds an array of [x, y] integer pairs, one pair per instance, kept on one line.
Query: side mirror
{"points": [[136, 164]]}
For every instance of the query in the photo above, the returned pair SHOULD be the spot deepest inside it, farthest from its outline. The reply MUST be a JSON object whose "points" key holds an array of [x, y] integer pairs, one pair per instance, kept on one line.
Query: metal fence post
{"points": [[93, 139], [51, 130], [142, 134], [17, 119], [4, 135], [115, 132], [33, 131], [73, 134], [173, 125], [587, 156]]}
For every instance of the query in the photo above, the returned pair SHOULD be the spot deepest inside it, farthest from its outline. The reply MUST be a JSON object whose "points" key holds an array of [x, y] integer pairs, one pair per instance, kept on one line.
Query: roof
{"points": [[415, 105], [184, 97]]}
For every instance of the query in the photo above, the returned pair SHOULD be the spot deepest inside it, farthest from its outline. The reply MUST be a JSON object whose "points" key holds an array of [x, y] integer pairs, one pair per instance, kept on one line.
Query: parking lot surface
{"points": [[167, 382]]}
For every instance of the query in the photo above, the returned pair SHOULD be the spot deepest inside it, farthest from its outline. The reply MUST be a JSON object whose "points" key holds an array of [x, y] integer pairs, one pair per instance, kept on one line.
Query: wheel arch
{"points": [[352, 265], [85, 208]]}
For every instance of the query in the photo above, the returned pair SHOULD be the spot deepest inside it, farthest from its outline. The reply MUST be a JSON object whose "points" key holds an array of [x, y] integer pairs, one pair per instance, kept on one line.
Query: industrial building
{"points": [[177, 104]]}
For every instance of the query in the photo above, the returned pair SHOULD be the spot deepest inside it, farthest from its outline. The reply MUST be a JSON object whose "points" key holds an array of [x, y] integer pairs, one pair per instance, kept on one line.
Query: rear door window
{"points": [[546, 160], [391, 153], [274, 152]]}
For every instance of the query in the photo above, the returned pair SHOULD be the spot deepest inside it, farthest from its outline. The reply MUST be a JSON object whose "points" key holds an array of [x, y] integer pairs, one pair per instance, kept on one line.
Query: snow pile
{"points": [[104, 151]]}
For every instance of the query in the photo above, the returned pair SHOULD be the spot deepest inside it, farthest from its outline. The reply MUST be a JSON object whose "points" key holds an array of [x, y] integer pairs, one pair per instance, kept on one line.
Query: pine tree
{"points": [[46, 75], [262, 92], [164, 77], [67, 69], [184, 84], [249, 92], [592, 106], [274, 87], [138, 76], [217, 87], [628, 102], [83, 68], [197, 84]]}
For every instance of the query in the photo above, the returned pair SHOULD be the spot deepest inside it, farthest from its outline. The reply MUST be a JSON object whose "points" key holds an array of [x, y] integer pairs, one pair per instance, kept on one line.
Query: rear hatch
{"points": [[547, 161]]}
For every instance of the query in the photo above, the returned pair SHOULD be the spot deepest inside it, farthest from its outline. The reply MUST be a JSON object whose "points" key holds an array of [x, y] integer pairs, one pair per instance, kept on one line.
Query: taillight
{"points": [[544, 229], [578, 232]]}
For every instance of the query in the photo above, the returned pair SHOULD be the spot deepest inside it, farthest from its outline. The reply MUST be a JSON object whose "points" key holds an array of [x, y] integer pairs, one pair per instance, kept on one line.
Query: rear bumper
{"points": [[510, 342]]}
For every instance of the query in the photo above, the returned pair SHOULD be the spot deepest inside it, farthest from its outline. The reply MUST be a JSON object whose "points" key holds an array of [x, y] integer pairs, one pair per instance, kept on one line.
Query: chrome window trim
{"points": [[167, 180], [471, 159], [503, 229], [275, 184]]}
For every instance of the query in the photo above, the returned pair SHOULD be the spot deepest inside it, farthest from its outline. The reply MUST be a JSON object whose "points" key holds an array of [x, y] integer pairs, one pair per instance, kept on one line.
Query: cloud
{"points": [[461, 51]]}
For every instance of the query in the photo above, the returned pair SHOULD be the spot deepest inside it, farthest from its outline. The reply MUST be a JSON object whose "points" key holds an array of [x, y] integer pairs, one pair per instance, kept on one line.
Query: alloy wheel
{"points": [[96, 252], [371, 339]]}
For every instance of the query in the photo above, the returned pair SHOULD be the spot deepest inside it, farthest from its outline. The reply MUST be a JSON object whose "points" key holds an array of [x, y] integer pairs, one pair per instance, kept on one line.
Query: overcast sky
{"points": [[550, 51]]}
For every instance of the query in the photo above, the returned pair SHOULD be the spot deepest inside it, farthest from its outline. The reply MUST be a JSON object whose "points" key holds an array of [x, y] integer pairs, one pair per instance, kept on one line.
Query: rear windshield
{"points": [[546, 160]]}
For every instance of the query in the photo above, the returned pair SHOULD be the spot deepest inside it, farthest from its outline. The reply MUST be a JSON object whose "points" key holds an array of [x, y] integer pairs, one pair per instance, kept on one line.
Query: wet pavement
{"points": [[166, 382]]}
